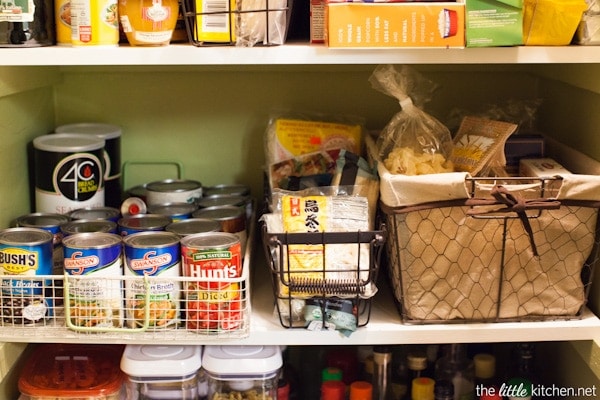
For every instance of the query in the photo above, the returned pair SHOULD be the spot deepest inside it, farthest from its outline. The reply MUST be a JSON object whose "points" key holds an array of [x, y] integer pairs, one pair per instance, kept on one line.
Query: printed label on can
{"points": [[94, 302], [214, 301], [76, 182], [26, 301], [94, 22], [160, 261]]}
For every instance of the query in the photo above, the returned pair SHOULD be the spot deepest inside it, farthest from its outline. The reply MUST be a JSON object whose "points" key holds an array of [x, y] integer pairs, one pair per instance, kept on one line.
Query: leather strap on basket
{"points": [[513, 203]]}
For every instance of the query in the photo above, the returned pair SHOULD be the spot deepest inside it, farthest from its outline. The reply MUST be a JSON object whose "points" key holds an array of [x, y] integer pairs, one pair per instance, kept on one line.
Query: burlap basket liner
{"points": [[466, 254]]}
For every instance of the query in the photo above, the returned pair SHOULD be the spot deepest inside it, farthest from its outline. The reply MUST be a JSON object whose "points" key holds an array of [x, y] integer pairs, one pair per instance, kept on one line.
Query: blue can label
{"points": [[156, 255], [95, 299], [26, 299]]}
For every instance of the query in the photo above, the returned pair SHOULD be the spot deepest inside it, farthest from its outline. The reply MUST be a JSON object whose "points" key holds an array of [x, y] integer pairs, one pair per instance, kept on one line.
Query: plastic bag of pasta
{"points": [[413, 142]]}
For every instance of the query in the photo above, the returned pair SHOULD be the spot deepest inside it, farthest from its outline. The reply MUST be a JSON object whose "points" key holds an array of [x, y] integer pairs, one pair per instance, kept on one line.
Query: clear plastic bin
{"points": [[244, 372], [162, 372]]}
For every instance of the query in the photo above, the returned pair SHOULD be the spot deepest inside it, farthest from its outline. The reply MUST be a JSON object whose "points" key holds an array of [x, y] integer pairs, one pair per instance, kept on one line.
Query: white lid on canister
{"points": [[68, 143], [144, 363], [104, 131], [241, 360]]}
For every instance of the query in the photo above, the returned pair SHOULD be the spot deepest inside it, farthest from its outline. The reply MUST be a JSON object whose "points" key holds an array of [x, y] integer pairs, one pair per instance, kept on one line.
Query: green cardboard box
{"points": [[494, 23]]}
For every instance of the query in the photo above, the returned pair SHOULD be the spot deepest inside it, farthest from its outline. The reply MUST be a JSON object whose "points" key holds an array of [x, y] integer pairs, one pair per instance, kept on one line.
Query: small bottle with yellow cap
{"points": [[422, 389]]}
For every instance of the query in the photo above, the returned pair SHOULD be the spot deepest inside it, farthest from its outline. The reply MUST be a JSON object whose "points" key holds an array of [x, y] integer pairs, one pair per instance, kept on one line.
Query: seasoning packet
{"points": [[477, 141]]}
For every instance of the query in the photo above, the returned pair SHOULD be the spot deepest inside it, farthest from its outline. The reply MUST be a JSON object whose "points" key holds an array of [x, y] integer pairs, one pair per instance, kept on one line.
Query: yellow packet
{"points": [[476, 141]]}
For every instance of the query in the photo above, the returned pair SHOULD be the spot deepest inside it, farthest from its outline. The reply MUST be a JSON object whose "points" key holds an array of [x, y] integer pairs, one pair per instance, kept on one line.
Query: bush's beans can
{"points": [[96, 299], [69, 172], [176, 211], [158, 255], [26, 252], [213, 295], [192, 226], [142, 223], [112, 155], [51, 223], [88, 226], [232, 219], [173, 191], [102, 213]]}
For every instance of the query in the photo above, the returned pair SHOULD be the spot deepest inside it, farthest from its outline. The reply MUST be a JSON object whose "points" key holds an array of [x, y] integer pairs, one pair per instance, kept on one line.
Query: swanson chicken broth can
{"points": [[157, 255], [26, 252], [68, 172], [95, 299], [213, 261]]}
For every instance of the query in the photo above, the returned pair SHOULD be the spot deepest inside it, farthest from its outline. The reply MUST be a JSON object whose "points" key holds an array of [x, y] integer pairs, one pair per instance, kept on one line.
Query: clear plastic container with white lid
{"points": [[244, 372], [163, 372]]}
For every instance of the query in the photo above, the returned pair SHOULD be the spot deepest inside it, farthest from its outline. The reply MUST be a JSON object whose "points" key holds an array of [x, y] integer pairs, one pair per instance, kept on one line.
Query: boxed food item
{"points": [[494, 23], [541, 167], [551, 22], [317, 21], [72, 372], [406, 24]]}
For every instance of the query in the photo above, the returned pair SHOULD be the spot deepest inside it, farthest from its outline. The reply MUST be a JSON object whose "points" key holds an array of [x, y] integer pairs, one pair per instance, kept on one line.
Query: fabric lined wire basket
{"points": [[463, 249]]}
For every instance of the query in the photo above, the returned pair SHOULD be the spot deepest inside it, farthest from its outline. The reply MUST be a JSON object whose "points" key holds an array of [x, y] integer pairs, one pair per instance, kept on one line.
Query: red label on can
{"points": [[213, 302]]}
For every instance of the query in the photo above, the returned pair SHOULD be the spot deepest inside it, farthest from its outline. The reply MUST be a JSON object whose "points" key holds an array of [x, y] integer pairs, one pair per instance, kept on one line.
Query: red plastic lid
{"points": [[67, 371], [333, 390]]}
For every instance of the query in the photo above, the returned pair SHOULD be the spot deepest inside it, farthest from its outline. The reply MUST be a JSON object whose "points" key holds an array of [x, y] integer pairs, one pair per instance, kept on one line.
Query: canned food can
{"points": [[94, 300], [222, 200], [94, 22], [173, 191], [176, 211], [155, 254], [232, 219], [112, 155], [88, 226], [26, 252], [68, 172], [227, 190], [91, 213], [62, 16], [213, 296], [51, 223], [137, 191], [142, 222], [192, 226]]}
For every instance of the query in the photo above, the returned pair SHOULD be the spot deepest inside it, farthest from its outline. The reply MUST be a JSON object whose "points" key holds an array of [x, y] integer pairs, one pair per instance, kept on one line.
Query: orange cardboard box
{"points": [[410, 24]]}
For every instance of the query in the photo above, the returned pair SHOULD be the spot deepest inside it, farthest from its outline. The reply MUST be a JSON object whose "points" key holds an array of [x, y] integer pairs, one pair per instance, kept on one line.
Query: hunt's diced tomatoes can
{"points": [[213, 298]]}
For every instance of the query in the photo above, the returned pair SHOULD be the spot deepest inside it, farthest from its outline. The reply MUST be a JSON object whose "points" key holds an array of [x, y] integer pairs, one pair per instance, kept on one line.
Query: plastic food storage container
{"points": [[163, 372], [72, 372], [244, 372]]}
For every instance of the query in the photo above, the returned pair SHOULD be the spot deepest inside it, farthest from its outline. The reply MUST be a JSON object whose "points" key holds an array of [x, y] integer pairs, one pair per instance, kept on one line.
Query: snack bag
{"points": [[413, 142], [478, 142]]}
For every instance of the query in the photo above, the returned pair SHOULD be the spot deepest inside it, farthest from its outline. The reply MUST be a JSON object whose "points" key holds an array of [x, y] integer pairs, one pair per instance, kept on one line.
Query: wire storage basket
{"points": [[328, 294], [237, 22], [523, 249], [144, 308]]}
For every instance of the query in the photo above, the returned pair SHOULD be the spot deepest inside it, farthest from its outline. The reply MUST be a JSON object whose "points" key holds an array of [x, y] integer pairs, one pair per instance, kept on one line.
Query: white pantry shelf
{"points": [[290, 54]]}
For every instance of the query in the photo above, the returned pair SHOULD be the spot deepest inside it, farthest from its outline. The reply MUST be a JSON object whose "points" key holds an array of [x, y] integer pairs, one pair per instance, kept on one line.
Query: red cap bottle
{"points": [[333, 390]]}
